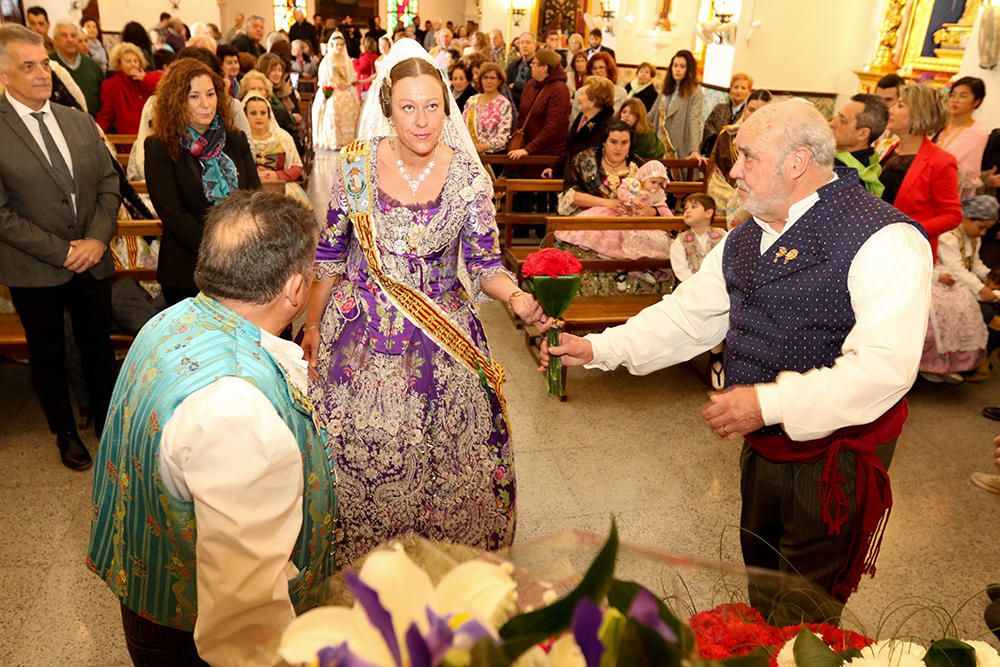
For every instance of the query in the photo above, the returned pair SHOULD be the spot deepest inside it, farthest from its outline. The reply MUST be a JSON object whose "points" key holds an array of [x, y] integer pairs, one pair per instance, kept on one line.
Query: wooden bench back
{"points": [[269, 186], [507, 217], [12, 338]]}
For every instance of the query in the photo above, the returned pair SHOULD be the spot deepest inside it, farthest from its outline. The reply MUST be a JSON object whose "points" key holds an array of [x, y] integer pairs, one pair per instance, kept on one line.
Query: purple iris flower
{"points": [[587, 619], [423, 650], [645, 610]]}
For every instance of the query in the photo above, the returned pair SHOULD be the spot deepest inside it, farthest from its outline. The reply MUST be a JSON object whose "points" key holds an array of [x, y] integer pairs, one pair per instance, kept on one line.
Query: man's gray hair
{"points": [[252, 244], [255, 17], [13, 32], [63, 23], [794, 124]]}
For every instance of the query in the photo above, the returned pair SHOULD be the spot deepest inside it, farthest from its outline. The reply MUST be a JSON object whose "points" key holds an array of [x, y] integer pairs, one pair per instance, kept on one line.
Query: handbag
{"points": [[516, 141]]}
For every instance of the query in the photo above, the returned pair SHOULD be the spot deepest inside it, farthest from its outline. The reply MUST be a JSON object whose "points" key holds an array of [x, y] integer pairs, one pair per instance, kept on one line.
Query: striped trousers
{"points": [[792, 559]]}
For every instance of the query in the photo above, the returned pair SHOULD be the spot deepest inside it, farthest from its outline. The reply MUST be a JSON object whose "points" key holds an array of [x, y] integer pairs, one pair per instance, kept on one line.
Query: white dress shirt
{"points": [[889, 282], [953, 248], [29, 121], [226, 449], [36, 133], [678, 253]]}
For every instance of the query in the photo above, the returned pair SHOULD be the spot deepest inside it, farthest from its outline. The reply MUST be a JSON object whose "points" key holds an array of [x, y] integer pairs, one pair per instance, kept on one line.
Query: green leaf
{"points": [[950, 653], [850, 654], [524, 631], [644, 647], [811, 650], [620, 597]]}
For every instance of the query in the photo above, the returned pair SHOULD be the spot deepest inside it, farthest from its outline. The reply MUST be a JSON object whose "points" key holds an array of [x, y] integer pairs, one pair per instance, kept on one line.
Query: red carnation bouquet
{"points": [[327, 91], [553, 276]]}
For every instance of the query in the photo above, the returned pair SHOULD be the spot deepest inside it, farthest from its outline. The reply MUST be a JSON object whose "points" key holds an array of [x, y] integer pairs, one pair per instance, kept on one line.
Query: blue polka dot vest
{"points": [[790, 308]]}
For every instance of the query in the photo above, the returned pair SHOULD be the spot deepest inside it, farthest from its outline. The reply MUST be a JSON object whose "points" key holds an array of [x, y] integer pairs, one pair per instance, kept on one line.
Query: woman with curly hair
{"points": [[124, 93], [195, 158]]}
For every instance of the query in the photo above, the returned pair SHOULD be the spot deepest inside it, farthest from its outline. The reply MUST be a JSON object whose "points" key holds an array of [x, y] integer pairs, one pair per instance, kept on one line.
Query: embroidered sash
{"points": [[413, 303], [470, 111]]}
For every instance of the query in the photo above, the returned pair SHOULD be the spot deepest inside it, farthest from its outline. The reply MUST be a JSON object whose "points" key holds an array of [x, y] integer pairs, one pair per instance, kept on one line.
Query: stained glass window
{"points": [[400, 12], [283, 9]]}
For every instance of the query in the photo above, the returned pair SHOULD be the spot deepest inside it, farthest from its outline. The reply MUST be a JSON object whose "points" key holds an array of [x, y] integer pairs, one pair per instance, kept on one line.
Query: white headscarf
{"points": [[374, 124]]}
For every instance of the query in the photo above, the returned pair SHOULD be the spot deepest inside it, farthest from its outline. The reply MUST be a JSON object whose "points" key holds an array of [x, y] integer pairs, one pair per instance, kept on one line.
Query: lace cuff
{"points": [[329, 269], [565, 205], [477, 295]]}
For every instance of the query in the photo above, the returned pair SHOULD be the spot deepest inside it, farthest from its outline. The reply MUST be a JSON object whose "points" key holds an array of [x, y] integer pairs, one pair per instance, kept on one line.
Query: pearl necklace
{"points": [[414, 184]]}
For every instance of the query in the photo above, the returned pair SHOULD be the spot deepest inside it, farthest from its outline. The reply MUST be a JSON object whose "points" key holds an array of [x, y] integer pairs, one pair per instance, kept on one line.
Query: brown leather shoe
{"points": [[992, 413], [72, 451]]}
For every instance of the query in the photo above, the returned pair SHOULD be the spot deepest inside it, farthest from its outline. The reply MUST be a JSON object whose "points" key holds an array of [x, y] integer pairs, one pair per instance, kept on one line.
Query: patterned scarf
{"points": [[218, 171]]}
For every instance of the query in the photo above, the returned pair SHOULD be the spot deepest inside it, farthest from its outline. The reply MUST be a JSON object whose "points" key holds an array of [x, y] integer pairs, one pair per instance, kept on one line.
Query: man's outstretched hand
{"points": [[575, 351]]}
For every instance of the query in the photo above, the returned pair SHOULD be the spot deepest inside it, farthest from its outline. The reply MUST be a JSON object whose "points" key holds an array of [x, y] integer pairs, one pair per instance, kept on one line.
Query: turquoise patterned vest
{"points": [[142, 540]]}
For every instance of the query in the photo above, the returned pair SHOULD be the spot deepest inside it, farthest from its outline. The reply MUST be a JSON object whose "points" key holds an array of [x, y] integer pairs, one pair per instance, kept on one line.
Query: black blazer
{"points": [[590, 135], [179, 198]]}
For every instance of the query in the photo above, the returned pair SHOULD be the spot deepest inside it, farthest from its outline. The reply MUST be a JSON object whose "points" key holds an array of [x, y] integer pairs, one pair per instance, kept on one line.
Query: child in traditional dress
{"points": [[636, 192], [688, 252], [958, 255], [273, 148]]}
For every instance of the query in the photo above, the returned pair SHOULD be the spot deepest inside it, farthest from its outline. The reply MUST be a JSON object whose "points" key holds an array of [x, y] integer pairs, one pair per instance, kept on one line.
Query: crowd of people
{"points": [[399, 397]]}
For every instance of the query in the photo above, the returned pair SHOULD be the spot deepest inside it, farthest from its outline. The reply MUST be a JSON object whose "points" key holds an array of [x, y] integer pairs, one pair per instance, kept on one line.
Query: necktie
{"points": [[59, 167]]}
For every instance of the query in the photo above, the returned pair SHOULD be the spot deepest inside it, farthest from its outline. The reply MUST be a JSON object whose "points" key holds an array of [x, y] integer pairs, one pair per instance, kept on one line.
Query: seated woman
{"points": [[643, 86], [593, 180], [255, 82], [726, 112], [273, 149], [124, 93], [588, 129], [489, 115], [646, 144]]}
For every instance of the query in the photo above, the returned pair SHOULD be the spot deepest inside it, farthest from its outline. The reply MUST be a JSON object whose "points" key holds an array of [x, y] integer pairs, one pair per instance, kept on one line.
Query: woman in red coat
{"points": [[920, 179], [124, 93], [545, 108]]}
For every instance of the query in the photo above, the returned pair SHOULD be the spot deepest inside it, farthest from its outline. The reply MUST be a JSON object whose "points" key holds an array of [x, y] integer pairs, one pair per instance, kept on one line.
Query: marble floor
{"points": [[624, 446]]}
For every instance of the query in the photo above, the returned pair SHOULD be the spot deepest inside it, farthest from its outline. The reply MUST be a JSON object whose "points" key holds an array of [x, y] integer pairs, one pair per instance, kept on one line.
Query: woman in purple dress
{"points": [[403, 379]]}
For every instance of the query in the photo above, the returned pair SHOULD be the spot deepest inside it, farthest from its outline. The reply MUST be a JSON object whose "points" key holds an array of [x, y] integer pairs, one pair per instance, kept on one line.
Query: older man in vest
{"points": [[214, 497], [822, 299]]}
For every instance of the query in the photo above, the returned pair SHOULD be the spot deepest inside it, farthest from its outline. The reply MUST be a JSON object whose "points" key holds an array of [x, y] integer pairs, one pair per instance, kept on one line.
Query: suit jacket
{"points": [[680, 120], [179, 198], [591, 52], [37, 220], [929, 192]]}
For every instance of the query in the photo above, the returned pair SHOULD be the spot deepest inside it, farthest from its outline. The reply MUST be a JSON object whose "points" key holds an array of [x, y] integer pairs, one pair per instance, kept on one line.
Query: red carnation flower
{"points": [[551, 262]]}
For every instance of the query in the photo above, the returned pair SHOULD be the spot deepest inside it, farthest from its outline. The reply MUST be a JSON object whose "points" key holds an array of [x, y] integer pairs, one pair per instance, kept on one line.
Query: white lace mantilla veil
{"points": [[455, 134]]}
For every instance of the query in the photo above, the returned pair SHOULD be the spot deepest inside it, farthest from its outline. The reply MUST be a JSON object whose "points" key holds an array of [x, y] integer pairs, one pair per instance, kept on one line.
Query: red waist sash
{"points": [[872, 491]]}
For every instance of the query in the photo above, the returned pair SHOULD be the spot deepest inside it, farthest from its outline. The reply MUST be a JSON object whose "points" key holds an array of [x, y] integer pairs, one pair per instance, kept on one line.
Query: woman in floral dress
{"points": [[403, 378], [336, 106]]}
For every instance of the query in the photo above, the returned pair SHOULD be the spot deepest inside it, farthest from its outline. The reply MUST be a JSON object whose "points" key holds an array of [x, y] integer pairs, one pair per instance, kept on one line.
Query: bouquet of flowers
{"points": [[327, 91], [553, 276]]}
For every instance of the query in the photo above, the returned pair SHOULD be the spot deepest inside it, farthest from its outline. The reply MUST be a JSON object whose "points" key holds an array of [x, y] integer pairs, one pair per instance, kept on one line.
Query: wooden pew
{"points": [[122, 142], [686, 176], [12, 338], [596, 313], [493, 160], [507, 218]]}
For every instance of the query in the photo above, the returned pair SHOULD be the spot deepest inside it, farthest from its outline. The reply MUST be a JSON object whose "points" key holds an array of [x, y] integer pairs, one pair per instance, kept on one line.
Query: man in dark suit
{"points": [[302, 30], [58, 204], [249, 41], [596, 37]]}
